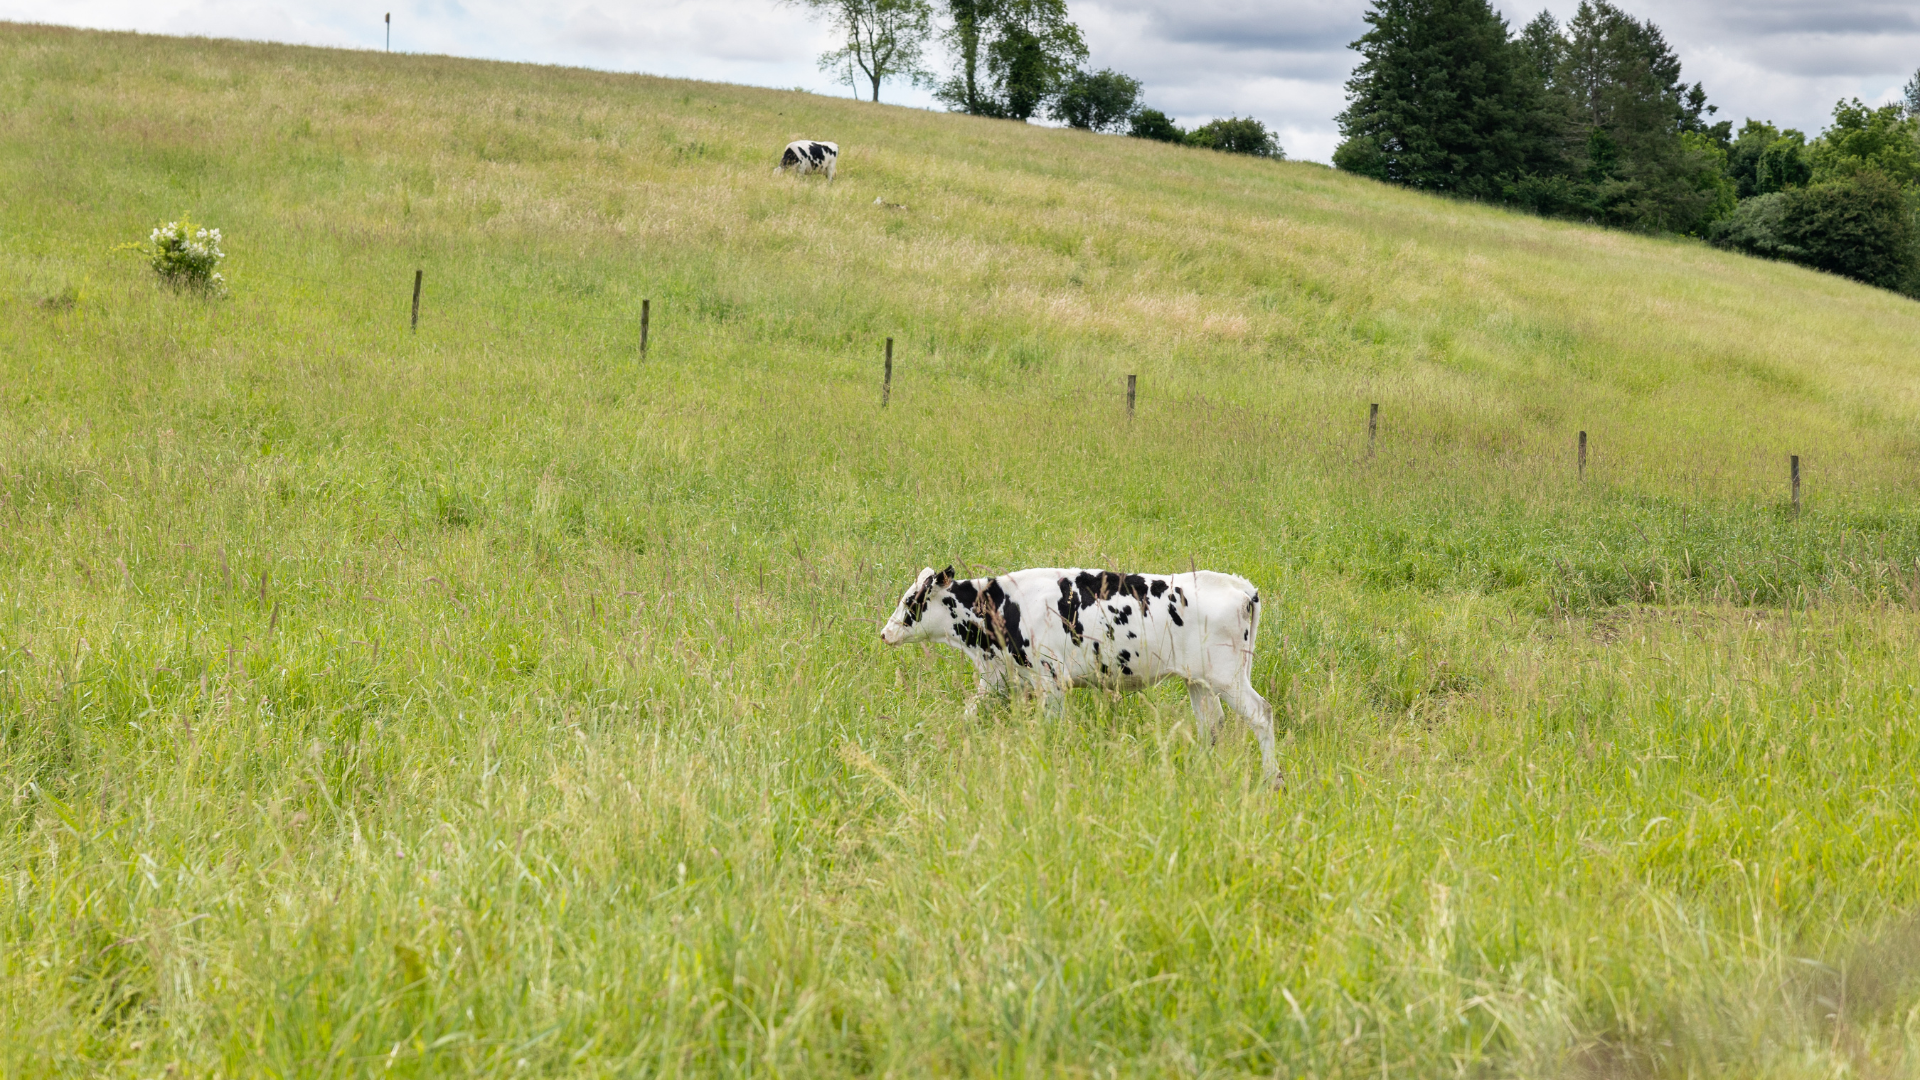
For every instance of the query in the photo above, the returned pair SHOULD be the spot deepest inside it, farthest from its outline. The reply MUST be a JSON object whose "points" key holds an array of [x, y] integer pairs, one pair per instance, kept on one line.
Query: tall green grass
{"points": [[490, 700]]}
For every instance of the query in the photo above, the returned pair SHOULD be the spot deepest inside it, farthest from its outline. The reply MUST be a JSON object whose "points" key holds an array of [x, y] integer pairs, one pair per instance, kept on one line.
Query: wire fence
{"points": [[1128, 395], [441, 301]]}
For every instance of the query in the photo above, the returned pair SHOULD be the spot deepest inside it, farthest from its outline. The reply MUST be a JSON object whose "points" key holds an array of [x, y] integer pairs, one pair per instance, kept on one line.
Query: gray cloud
{"points": [[1283, 61], [1310, 26]]}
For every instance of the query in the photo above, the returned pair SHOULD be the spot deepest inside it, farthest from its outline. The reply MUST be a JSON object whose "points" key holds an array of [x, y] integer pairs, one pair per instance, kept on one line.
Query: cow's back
{"points": [[1102, 627]]}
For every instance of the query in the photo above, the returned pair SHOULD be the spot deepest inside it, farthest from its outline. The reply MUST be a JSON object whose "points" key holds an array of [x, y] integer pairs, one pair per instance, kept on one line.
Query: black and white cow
{"points": [[1042, 632], [805, 156]]}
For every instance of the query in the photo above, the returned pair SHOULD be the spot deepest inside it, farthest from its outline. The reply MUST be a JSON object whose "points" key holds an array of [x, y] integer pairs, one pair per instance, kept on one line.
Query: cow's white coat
{"points": [[1044, 631], [805, 156]]}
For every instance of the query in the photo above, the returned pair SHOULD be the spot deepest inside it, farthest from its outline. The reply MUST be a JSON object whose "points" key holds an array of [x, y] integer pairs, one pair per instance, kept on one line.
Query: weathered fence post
{"points": [[418, 276], [1373, 425], [1583, 455], [1793, 467], [1130, 386], [886, 379], [646, 311]]}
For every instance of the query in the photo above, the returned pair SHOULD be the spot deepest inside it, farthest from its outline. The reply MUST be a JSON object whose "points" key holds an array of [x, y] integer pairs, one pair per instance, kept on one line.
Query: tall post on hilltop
{"points": [[389, 31]]}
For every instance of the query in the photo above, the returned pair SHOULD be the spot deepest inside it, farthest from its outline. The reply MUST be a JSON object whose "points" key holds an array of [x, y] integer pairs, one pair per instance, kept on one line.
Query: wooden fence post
{"points": [[886, 379], [1793, 466], [1373, 425], [1583, 455], [645, 312], [1130, 388], [418, 275]]}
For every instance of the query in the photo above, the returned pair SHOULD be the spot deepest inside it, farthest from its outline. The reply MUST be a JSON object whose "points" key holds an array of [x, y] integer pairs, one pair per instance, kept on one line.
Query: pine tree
{"points": [[1620, 87], [1441, 100]]}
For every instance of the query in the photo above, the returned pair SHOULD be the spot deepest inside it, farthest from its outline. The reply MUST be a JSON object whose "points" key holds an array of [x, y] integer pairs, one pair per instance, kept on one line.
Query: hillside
{"points": [[488, 698]]}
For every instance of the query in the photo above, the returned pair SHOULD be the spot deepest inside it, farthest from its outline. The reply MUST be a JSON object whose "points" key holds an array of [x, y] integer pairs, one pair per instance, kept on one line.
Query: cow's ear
{"points": [[945, 578]]}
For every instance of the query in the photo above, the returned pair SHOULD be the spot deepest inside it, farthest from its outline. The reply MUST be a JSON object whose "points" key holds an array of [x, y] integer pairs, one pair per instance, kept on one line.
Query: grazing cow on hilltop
{"points": [[1046, 631], [805, 156]]}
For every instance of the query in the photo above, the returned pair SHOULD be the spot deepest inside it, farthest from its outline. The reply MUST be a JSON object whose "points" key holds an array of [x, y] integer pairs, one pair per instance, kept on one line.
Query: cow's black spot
{"points": [[917, 603], [1101, 585], [1124, 657], [1007, 626], [1174, 614], [789, 158], [1159, 587], [965, 593], [994, 622], [974, 636], [1069, 608], [1120, 613]]}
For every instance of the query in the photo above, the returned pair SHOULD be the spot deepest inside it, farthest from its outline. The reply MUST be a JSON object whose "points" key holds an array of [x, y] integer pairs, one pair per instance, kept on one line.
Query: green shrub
{"points": [[186, 256], [1757, 226], [1098, 100], [1156, 125], [1858, 227], [1236, 135]]}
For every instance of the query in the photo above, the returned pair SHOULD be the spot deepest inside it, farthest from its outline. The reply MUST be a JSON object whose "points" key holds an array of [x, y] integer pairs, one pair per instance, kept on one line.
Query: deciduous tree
{"points": [[883, 39], [1012, 56], [1237, 135], [1102, 100], [1156, 125]]}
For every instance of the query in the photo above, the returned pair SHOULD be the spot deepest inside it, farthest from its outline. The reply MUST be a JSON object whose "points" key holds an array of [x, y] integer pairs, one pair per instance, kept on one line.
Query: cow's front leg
{"points": [[986, 685]]}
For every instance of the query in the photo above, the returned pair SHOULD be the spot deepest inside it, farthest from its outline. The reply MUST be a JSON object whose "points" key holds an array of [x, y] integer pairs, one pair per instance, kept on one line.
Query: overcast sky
{"points": [[1281, 60]]}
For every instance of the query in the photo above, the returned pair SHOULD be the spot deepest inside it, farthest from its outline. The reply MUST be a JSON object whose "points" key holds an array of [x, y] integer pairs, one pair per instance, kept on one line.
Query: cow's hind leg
{"points": [[1206, 710], [1246, 701]]}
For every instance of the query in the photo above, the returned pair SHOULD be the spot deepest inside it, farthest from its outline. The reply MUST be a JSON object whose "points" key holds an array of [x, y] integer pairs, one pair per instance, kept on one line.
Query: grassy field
{"points": [[490, 700]]}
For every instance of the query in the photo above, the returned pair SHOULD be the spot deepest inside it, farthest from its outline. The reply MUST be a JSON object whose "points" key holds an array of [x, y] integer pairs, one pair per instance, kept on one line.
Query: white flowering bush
{"points": [[187, 256]]}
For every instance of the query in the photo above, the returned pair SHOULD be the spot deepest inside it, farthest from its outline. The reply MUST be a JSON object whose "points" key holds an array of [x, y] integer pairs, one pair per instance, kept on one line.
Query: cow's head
{"points": [[921, 615]]}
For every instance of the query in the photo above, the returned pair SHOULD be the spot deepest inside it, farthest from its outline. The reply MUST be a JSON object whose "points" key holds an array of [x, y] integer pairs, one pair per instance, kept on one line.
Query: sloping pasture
{"points": [[487, 699]]}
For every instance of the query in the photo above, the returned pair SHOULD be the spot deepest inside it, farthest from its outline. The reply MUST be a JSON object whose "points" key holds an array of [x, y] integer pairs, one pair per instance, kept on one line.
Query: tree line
{"points": [[1592, 121], [1010, 59]]}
